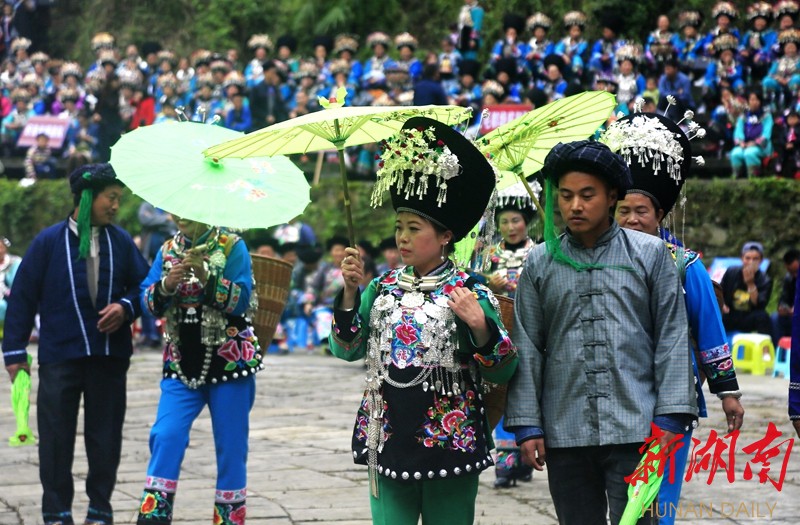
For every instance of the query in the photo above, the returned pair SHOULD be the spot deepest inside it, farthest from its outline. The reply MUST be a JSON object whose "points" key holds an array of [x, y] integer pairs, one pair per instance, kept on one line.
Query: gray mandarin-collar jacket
{"points": [[601, 352]]}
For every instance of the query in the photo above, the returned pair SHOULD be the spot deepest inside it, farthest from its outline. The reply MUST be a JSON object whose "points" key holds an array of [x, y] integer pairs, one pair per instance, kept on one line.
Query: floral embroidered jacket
{"points": [[425, 419], [208, 332]]}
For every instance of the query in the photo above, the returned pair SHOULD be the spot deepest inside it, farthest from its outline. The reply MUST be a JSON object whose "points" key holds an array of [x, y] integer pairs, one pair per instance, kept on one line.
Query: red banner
{"points": [[502, 113], [54, 127]]}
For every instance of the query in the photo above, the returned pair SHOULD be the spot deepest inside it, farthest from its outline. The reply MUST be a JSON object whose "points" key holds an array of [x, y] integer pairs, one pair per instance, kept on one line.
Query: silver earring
{"points": [[442, 256]]}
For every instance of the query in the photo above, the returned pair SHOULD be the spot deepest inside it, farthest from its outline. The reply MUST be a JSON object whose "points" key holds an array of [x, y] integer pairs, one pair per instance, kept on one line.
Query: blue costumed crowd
{"points": [[738, 71]]}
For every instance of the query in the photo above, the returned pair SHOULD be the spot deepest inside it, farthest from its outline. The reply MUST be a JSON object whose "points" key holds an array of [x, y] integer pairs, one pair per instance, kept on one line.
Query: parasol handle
{"points": [[350, 231], [343, 172], [531, 194]]}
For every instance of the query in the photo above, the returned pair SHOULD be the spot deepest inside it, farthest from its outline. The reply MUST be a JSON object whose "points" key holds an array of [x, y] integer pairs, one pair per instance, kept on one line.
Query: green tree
{"points": [[185, 25]]}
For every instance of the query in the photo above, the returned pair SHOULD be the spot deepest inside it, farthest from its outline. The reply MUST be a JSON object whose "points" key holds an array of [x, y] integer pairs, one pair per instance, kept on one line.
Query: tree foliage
{"points": [[720, 214], [185, 25]]}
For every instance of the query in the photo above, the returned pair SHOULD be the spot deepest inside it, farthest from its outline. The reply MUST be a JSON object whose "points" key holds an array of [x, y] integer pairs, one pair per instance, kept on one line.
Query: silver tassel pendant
{"points": [[373, 472], [191, 316]]}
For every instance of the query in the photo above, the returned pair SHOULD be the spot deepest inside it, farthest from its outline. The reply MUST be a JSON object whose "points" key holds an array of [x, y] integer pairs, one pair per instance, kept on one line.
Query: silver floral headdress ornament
{"points": [[434, 171], [516, 198], [409, 163], [645, 139], [517, 195], [658, 152]]}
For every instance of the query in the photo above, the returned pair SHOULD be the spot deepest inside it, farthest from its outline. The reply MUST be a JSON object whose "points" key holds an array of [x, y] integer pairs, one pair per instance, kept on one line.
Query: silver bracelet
{"points": [[164, 287], [736, 394]]}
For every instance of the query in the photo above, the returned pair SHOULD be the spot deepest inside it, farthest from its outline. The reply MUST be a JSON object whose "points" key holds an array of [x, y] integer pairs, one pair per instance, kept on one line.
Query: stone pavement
{"points": [[301, 471]]}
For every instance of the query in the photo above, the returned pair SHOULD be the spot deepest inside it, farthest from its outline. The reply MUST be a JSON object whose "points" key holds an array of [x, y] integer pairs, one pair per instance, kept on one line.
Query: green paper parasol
{"points": [[164, 164], [518, 148], [20, 403], [335, 127], [647, 480]]}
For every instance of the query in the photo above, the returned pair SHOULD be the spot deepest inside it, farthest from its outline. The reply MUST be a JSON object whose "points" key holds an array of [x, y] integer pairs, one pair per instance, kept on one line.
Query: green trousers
{"points": [[439, 501]]}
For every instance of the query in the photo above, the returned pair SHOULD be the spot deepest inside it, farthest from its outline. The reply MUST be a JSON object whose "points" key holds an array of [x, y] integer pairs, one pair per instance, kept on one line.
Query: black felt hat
{"points": [[368, 248], [150, 47], [435, 172], [506, 65], [657, 181], [515, 21], [85, 183], [287, 247], [288, 41], [554, 60], [589, 157], [516, 198], [309, 254], [323, 40], [94, 177], [387, 244], [469, 67], [613, 21], [337, 240]]}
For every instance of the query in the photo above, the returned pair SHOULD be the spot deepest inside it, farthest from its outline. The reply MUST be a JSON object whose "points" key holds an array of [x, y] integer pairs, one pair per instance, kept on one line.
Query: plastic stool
{"points": [[753, 353], [782, 357]]}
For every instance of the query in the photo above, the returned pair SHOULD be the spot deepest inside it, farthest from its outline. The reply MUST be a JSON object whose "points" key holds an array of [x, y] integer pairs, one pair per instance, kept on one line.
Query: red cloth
{"points": [[5, 106], [145, 113]]}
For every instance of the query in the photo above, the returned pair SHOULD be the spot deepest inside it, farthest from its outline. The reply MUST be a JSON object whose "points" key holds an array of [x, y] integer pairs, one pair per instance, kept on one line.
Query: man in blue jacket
{"points": [[82, 277], [429, 89]]}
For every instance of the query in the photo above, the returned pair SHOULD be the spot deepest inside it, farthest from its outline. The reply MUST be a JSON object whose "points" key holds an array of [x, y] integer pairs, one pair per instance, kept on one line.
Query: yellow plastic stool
{"points": [[753, 353]]}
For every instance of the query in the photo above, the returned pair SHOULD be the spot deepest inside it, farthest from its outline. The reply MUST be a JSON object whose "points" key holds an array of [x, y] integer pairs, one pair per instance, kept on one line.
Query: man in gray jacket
{"points": [[600, 325]]}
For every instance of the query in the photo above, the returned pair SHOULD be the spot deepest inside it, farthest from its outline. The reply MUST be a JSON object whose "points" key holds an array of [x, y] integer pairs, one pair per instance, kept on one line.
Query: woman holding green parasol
{"points": [[429, 333], [201, 281]]}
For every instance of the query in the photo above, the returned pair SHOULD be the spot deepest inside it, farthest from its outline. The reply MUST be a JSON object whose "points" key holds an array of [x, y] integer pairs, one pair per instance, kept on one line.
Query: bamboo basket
{"points": [[506, 312], [273, 279], [494, 401]]}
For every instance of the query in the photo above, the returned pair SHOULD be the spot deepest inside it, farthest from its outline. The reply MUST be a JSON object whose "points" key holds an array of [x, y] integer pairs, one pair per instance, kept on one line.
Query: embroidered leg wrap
{"points": [[157, 500], [504, 464], [230, 507]]}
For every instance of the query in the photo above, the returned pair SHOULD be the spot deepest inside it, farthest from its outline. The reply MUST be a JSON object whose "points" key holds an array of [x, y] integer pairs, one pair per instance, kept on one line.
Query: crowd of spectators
{"points": [[744, 87]]}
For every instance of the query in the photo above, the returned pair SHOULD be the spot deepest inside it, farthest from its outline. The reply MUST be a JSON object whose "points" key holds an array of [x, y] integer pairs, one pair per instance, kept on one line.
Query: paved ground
{"points": [[301, 470]]}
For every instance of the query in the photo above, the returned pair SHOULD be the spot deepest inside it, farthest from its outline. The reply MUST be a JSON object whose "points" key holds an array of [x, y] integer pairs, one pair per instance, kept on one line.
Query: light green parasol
{"points": [[335, 127], [21, 404], [164, 164]]}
